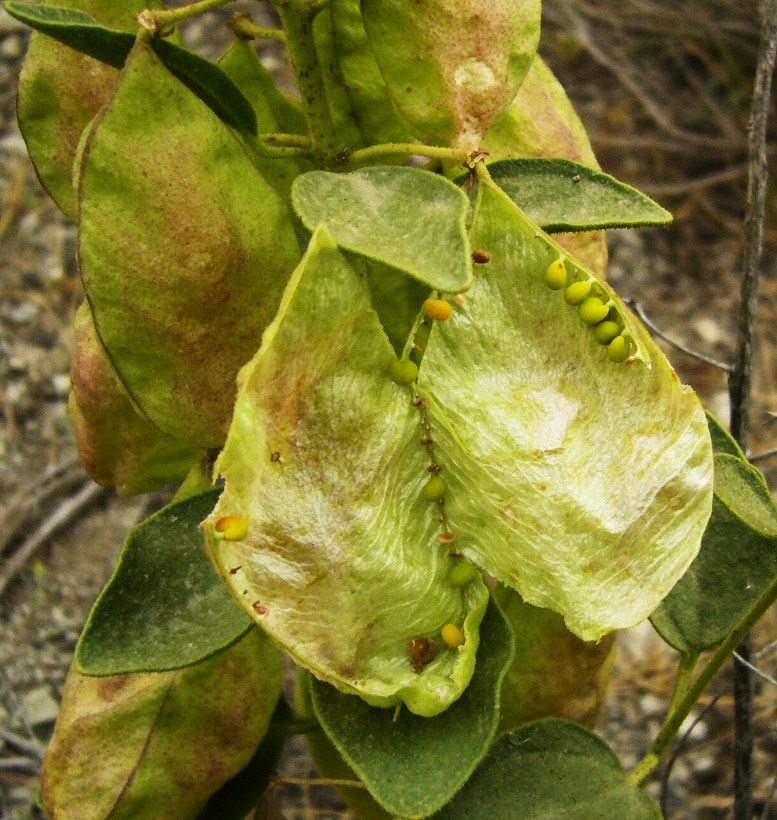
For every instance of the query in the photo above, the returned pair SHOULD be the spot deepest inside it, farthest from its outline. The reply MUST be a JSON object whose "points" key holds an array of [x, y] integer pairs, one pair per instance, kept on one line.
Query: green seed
{"points": [[434, 489], [592, 311], [462, 574], [619, 349], [556, 275], [606, 331], [577, 292], [403, 371]]}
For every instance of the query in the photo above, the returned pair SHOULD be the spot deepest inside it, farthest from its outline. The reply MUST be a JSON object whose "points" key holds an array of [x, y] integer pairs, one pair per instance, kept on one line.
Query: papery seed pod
{"points": [[577, 293], [403, 371], [452, 66]]}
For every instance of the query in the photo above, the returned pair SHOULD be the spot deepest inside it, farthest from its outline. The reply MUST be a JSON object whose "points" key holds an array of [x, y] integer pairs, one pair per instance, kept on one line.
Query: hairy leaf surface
{"points": [[341, 563], [399, 759], [551, 768], [183, 267], [583, 484], [117, 446], [164, 607], [409, 219], [159, 745]]}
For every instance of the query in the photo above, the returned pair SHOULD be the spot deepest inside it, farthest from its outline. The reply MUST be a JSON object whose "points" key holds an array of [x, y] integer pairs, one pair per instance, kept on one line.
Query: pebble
{"points": [[39, 707]]}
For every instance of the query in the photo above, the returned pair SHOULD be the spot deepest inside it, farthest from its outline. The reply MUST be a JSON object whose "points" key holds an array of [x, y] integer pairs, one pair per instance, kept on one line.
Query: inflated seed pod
{"points": [[556, 275], [434, 489], [619, 349], [438, 309], [606, 331], [592, 310], [577, 293], [452, 66], [403, 371]]}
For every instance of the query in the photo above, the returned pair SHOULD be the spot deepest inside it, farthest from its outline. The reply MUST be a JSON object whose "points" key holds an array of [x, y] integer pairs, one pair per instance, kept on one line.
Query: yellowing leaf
{"points": [[583, 484], [341, 564]]}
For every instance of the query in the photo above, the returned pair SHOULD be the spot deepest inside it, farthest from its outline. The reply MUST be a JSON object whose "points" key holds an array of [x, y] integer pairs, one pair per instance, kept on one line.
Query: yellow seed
{"points": [[452, 635], [577, 292], [556, 275], [592, 311], [434, 489], [403, 371], [232, 528], [606, 331], [438, 309], [462, 574], [619, 349]]}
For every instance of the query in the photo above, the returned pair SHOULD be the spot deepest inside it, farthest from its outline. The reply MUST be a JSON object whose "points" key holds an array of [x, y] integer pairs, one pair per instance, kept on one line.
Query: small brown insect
{"points": [[259, 609], [480, 257], [235, 569], [421, 652]]}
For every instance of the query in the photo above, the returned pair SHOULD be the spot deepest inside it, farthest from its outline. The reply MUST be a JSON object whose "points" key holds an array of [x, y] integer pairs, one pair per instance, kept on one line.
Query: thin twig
{"points": [[31, 748], [763, 456], [753, 668], [19, 764], [740, 380], [65, 513], [646, 320]]}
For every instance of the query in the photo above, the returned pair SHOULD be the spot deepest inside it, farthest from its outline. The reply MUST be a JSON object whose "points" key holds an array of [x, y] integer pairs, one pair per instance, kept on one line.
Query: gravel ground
{"points": [[43, 610]]}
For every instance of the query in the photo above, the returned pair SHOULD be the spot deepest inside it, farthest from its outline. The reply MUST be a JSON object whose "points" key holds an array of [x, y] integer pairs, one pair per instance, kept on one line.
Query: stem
{"points": [[684, 672], [676, 716], [740, 380], [298, 26], [156, 21], [244, 27], [409, 148]]}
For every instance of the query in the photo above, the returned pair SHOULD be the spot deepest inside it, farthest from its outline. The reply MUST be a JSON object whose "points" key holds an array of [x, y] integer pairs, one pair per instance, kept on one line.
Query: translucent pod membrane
{"points": [[595, 308]]}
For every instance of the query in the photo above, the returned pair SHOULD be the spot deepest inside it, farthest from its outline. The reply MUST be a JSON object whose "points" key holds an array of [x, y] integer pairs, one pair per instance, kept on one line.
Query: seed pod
{"points": [[606, 331], [438, 309], [619, 349], [462, 574], [232, 527], [592, 311], [434, 489], [403, 371], [452, 66], [577, 293], [452, 635], [556, 275]]}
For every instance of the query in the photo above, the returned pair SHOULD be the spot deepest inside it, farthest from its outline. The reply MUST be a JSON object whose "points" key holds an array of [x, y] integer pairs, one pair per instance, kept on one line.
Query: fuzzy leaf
{"points": [[77, 30], [583, 484], [60, 91], [159, 745], [341, 564], [164, 608], [722, 440], [117, 446], [174, 251], [399, 760], [551, 768], [408, 219], [737, 561], [561, 195]]}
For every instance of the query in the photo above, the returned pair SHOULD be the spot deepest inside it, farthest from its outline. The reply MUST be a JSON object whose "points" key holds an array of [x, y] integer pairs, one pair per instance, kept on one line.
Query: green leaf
{"points": [[737, 561], [581, 483], [117, 446], [722, 441], [414, 765], [341, 563], [551, 769], [183, 260], [562, 196], [76, 29], [238, 796], [402, 217], [159, 745], [164, 608]]}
